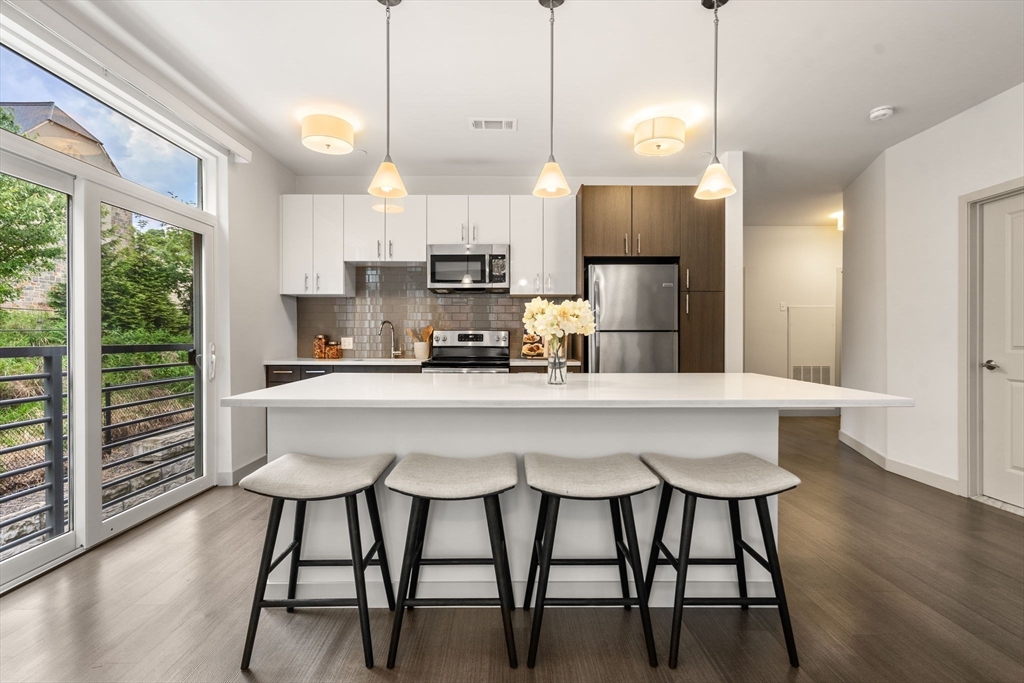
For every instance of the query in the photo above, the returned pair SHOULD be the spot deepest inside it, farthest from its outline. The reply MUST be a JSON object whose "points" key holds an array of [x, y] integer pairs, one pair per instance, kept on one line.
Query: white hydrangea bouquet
{"points": [[554, 323]]}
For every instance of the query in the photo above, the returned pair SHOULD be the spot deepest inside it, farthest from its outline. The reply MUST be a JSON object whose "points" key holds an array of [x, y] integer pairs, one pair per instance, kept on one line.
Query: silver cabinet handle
{"points": [[463, 233], [638, 244], [625, 242], [475, 231], [318, 282], [990, 365], [687, 304], [536, 284], [391, 249], [378, 248], [687, 278], [549, 285], [282, 372], [305, 285], [315, 372]]}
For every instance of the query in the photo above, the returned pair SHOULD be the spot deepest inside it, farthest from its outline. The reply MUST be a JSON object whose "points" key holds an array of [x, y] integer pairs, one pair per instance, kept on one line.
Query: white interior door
{"points": [[526, 254], [328, 248], [407, 229], [1003, 350], [488, 219]]}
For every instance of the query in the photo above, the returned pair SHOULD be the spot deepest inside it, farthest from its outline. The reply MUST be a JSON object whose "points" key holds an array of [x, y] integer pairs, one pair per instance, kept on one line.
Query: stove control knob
{"points": [[437, 337], [444, 338]]}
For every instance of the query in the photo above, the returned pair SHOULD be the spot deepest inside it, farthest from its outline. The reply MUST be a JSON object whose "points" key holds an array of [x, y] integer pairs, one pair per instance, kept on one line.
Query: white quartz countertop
{"points": [[515, 362], [530, 390]]}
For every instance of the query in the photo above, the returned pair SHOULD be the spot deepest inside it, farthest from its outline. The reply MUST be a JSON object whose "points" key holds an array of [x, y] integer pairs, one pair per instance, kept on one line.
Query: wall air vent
{"points": [[494, 124]]}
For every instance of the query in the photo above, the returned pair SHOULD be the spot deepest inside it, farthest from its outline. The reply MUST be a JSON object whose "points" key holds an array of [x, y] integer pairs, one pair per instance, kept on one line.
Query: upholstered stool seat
{"points": [[614, 478], [432, 476], [609, 476], [732, 478], [737, 476], [307, 477]]}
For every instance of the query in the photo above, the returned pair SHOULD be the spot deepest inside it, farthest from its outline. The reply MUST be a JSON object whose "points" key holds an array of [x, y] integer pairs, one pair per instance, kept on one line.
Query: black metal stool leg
{"points": [[261, 580], [414, 582], [772, 555], [492, 509], [538, 537], [293, 574], [638, 577], [508, 565], [617, 534], [659, 534], [547, 545], [378, 537], [413, 544], [689, 508], [737, 536], [359, 573]]}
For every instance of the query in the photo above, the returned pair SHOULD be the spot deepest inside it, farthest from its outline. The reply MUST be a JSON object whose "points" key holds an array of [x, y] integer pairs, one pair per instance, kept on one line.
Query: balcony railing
{"points": [[148, 435]]}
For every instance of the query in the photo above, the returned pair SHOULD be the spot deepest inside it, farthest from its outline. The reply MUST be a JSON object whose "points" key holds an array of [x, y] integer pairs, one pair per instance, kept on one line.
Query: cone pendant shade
{"points": [[387, 183], [551, 183], [716, 183]]}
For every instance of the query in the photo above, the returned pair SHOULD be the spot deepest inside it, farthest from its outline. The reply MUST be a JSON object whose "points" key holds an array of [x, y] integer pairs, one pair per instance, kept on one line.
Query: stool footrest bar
{"points": [[590, 602], [452, 602], [669, 557], [754, 554], [712, 560], [286, 553], [434, 561], [583, 561], [373, 551], [730, 602], [335, 563], [311, 602]]}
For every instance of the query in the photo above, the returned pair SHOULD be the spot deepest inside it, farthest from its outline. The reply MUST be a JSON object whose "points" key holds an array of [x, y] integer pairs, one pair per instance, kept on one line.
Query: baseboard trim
{"points": [[232, 478], [938, 481]]}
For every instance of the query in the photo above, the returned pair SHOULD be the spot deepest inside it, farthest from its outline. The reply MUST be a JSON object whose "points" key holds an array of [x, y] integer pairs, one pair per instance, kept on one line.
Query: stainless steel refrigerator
{"points": [[636, 311]]}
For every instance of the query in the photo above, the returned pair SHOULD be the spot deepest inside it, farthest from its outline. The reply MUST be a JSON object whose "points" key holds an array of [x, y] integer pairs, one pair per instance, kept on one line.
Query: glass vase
{"points": [[557, 362]]}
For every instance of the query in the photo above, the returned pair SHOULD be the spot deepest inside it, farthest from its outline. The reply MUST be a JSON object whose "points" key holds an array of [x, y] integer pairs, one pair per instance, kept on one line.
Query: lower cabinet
{"points": [[538, 369], [702, 332], [284, 374]]}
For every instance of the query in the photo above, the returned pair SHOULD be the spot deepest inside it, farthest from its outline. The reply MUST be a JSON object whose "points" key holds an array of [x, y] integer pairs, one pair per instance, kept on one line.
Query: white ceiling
{"points": [[797, 80]]}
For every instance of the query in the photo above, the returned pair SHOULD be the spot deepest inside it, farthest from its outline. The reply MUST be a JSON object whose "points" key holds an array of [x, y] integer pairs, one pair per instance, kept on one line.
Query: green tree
{"points": [[33, 226]]}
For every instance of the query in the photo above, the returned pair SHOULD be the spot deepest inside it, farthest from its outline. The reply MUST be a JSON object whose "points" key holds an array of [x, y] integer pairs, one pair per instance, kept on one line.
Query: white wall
{"points": [[261, 323], [795, 265], [924, 178]]}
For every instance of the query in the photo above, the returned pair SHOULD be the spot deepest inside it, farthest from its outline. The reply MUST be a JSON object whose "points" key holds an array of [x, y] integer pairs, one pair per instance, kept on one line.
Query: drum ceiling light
{"points": [[659, 136], [327, 134]]}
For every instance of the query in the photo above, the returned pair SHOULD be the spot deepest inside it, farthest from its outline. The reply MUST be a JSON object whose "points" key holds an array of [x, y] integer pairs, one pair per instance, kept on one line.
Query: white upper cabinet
{"points": [[313, 246], [447, 219], [364, 228], [330, 276], [488, 219], [406, 229], [560, 246], [526, 247], [296, 243]]}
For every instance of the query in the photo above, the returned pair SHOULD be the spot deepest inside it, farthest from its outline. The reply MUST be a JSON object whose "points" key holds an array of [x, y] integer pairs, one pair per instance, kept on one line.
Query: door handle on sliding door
{"points": [[213, 361]]}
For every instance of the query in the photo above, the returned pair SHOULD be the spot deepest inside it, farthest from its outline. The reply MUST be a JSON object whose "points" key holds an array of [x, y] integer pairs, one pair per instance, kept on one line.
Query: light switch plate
{"points": [[346, 342]]}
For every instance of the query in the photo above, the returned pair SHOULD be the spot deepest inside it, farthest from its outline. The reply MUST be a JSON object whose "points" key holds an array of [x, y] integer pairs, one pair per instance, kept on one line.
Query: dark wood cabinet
{"points": [[655, 221], [702, 332], [701, 243], [283, 374], [606, 214]]}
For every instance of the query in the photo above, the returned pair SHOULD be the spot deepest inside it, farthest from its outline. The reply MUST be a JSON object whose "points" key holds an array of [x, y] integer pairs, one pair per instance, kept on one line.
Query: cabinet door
{"points": [[406, 230], [701, 243], [364, 228], [560, 246], [447, 219], [702, 332], [296, 243], [655, 221], [607, 220], [488, 219], [526, 248], [329, 246]]}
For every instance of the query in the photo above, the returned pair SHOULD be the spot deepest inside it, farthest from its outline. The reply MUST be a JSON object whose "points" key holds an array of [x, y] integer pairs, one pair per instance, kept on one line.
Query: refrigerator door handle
{"points": [[595, 339]]}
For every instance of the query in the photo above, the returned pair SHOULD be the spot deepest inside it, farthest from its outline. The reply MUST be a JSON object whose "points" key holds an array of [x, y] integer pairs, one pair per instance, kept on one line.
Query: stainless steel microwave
{"points": [[467, 268]]}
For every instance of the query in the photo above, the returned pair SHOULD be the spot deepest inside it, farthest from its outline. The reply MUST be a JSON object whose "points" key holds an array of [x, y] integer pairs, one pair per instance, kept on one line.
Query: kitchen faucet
{"points": [[380, 331]]}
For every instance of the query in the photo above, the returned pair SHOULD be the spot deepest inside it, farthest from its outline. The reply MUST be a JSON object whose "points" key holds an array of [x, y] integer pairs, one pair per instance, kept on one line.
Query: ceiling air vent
{"points": [[494, 124]]}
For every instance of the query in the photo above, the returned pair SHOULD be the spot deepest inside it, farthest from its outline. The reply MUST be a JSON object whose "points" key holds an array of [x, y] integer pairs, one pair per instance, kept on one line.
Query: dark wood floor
{"points": [[888, 580]]}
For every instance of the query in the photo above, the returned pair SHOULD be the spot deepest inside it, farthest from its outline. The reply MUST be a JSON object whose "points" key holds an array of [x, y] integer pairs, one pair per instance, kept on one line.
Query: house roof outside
{"points": [[29, 115]]}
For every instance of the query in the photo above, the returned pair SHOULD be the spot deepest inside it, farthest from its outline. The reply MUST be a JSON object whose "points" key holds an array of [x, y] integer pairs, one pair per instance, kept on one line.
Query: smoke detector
{"points": [[881, 113], [494, 124]]}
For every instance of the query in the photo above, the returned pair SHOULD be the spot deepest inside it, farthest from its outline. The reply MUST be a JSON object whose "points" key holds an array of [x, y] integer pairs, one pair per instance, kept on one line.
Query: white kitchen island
{"points": [[687, 415]]}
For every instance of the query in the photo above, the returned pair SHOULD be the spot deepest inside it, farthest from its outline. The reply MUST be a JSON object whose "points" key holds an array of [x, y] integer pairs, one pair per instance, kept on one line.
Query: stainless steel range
{"points": [[469, 351]]}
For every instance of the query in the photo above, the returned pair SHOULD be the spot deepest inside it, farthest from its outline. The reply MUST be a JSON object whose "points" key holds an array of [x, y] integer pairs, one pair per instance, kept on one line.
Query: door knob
{"points": [[990, 365]]}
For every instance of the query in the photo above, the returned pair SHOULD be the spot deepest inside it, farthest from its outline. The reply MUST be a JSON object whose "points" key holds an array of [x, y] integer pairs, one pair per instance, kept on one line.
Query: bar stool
{"points": [[733, 478], [430, 477], [305, 478], [613, 478]]}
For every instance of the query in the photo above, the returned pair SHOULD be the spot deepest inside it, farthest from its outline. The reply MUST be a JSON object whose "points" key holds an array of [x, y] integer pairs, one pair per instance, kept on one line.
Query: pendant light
{"points": [[387, 183], [716, 183], [551, 182]]}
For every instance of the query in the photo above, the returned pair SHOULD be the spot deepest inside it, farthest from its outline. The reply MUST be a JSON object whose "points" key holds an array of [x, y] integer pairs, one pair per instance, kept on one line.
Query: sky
{"points": [[140, 155]]}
